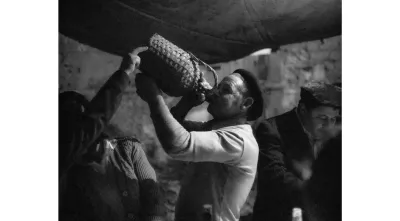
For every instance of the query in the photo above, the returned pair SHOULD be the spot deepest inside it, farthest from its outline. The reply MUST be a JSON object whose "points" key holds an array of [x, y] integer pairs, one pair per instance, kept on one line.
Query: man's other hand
{"points": [[146, 87], [193, 99], [131, 61]]}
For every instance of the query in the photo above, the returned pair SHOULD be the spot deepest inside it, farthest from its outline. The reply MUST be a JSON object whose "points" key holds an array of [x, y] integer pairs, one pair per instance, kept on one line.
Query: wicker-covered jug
{"points": [[177, 72]]}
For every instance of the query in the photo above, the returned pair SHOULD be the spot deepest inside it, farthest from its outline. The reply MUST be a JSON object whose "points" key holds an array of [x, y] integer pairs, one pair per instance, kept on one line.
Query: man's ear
{"points": [[247, 103], [302, 108]]}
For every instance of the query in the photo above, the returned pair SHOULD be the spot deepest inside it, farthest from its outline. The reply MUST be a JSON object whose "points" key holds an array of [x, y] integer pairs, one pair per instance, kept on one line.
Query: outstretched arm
{"points": [[171, 134], [78, 133]]}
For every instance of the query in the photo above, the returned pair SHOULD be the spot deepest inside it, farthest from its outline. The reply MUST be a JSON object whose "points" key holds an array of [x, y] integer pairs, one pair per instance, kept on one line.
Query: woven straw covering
{"points": [[177, 71]]}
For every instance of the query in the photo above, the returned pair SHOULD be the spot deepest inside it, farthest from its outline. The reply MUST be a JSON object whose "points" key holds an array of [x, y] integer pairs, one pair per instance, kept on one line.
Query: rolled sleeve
{"points": [[212, 146]]}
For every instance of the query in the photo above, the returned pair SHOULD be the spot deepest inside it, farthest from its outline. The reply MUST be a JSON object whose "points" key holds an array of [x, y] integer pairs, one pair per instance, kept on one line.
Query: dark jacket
{"points": [[78, 131], [324, 189], [282, 141], [126, 189]]}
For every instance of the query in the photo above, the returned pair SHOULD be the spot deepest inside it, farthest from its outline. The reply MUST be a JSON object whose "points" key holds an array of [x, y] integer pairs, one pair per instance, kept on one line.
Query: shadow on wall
{"points": [[281, 74]]}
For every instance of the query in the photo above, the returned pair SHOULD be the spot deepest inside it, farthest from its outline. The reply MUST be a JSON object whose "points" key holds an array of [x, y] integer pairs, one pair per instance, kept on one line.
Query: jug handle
{"points": [[208, 67]]}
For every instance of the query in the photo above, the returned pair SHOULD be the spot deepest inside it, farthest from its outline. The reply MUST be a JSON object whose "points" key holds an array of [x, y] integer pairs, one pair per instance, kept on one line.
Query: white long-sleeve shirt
{"points": [[225, 168]]}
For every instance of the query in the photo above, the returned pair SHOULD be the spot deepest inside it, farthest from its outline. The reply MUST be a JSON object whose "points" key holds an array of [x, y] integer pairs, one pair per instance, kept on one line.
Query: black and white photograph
{"points": [[200, 110]]}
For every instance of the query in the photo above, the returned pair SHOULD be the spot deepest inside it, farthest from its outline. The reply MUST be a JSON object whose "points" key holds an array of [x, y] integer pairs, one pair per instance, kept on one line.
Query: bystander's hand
{"points": [[131, 61]]}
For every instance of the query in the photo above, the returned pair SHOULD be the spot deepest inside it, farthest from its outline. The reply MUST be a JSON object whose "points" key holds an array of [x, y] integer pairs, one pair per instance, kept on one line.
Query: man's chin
{"points": [[209, 110]]}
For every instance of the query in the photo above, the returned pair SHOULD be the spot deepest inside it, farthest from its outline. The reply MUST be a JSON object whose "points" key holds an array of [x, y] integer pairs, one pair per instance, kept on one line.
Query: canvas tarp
{"points": [[213, 30]]}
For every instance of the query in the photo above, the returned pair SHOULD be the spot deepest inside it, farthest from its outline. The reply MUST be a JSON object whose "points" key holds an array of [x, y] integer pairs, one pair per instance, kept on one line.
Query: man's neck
{"points": [[219, 123]]}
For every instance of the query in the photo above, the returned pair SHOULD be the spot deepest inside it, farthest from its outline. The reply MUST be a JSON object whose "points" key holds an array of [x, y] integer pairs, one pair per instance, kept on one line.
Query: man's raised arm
{"points": [[180, 111]]}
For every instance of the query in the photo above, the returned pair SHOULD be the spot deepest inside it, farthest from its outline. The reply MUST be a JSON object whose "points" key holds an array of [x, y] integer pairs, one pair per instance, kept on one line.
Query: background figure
{"points": [[323, 195], [289, 145], [81, 122], [102, 178], [114, 181]]}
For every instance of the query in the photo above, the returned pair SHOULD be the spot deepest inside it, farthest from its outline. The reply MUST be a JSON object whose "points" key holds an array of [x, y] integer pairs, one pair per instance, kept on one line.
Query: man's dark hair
{"points": [[254, 90], [72, 101]]}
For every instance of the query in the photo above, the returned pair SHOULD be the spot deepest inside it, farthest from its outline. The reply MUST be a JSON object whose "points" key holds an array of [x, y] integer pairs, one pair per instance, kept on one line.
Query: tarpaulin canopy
{"points": [[213, 30]]}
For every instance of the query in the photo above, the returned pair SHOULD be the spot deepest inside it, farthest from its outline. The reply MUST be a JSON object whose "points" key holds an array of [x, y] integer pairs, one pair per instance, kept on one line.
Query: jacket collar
{"points": [[293, 135]]}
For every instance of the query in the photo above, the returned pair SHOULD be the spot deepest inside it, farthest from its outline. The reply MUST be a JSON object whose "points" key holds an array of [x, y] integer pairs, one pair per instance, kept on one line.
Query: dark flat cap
{"points": [[323, 93], [257, 109]]}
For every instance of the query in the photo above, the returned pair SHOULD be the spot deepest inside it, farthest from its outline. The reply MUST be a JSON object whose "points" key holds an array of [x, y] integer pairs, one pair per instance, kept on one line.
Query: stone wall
{"points": [[297, 64], [281, 74]]}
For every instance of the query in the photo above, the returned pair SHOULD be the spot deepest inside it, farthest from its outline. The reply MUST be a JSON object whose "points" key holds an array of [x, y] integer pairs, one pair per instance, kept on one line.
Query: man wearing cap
{"points": [[224, 147], [289, 144]]}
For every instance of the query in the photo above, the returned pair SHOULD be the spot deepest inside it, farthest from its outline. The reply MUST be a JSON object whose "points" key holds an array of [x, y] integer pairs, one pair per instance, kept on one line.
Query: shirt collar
{"points": [[100, 153], [215, 125]]}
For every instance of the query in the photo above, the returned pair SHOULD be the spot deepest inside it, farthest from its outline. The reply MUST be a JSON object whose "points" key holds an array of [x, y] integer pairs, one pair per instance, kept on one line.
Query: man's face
{"points": [[227, 100], [321, 121]]}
